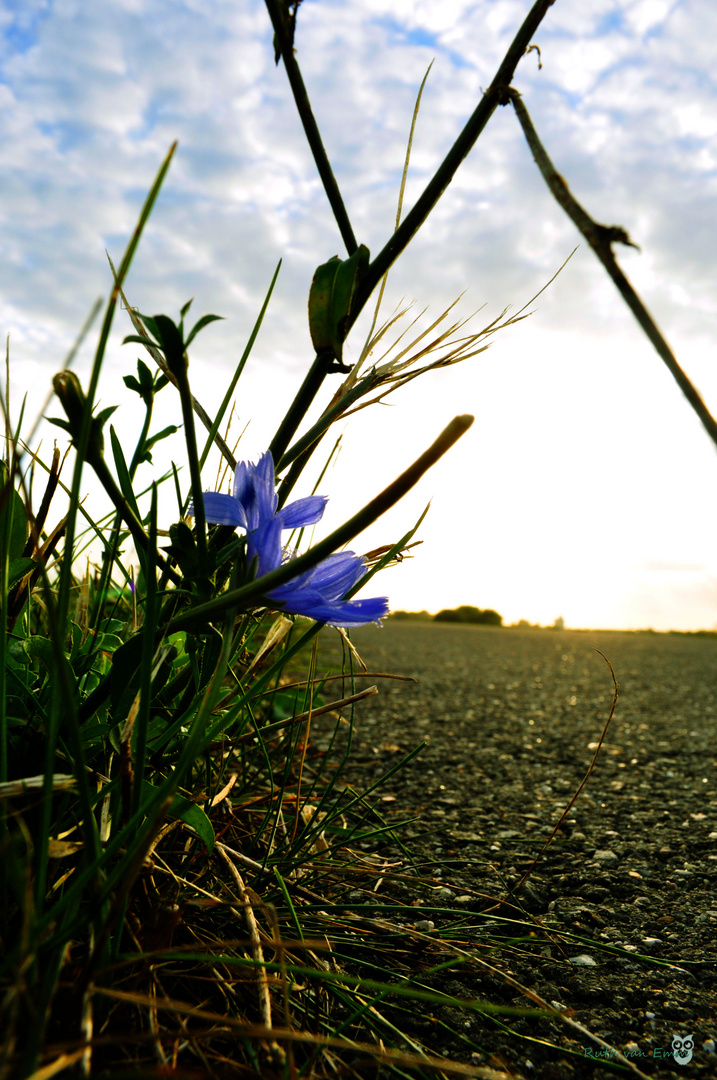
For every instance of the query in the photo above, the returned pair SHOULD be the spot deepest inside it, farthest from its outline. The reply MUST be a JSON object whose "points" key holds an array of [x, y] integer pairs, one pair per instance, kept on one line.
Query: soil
{"points": [[615, 925]]}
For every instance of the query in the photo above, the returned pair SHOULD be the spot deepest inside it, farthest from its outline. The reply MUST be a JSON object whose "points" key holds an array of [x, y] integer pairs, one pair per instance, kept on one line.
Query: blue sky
{"points": [[586, 486]]}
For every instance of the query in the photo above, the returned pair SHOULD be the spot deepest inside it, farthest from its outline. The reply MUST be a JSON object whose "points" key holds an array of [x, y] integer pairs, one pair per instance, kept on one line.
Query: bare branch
{"points": [[601, 238], [284, 43]]}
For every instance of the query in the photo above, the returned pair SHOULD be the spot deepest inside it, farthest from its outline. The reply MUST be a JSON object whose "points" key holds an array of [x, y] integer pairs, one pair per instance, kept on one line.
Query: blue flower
{"points": [[253, 500], [317, 593]]}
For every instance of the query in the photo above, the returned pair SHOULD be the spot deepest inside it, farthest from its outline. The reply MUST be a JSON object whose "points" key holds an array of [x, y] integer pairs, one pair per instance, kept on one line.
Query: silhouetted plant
{"points": [[172, 850]]}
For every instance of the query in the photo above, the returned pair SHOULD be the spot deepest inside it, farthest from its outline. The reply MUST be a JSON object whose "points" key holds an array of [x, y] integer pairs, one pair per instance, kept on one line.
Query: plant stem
{"points": [[300, 406], [311, 129], [190, 437], [494, 96], [137, 532], [601, 238], [83, 437]]}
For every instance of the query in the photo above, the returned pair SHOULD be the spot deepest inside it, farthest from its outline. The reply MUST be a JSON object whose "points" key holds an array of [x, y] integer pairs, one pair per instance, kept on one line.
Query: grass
{"points": [[172, 849]]}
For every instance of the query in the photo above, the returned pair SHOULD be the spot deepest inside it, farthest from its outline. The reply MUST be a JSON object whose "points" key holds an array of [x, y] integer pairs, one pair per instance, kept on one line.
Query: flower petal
{"points": [[336, 575], [340, 612], [303, 512], [222, 509], [254, 490], [265, 544]]}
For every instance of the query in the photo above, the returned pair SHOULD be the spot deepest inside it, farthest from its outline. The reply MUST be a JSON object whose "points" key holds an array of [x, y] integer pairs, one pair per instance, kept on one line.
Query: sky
{"points": [[586, 487]]}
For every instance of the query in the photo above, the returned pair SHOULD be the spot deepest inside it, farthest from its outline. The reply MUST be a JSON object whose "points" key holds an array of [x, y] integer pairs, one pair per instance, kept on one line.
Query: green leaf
{"points": [[171, 342], [18, 569], [132, 384], [123, 476], [146, 454], [64, 424], [145, 375], [12, 506], [40, 649], [139, 340], [76, 632], [188, 812], [125, 665], [331, 300], [102, 416], [151, 325], [204, 321], [163, 434], [192, 814]]}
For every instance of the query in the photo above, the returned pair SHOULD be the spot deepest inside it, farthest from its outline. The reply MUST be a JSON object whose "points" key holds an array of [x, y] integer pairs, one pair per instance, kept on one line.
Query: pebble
{"points": [[596, 893], [605, 856], [709, 1046], [583, 960], [424, 925]]}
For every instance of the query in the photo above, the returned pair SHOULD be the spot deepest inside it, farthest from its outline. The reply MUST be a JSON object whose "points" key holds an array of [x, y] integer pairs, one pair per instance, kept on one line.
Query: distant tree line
{"points": [[467, 614], [463, 614], [482, 616]]}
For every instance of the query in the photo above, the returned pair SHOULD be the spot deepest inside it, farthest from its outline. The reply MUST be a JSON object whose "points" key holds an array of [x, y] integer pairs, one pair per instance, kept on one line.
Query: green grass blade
{"points": [[240, 367], [151, 614], [83, 440]]}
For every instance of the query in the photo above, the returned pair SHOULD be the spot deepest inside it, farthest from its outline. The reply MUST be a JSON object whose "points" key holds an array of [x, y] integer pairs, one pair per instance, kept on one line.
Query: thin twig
{"points": [[353, 374], [285, 46], [557, 1013], [259, 1031], [494, 96], [303, 717], [373, 510], [601, 238]]}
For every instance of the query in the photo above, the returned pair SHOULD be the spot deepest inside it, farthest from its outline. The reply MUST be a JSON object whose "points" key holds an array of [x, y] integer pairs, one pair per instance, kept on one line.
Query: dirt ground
{"points": [[615, 925]]}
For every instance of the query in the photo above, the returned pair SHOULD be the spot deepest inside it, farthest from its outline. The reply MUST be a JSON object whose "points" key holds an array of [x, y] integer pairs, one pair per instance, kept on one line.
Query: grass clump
{"points": [[171, 844]]}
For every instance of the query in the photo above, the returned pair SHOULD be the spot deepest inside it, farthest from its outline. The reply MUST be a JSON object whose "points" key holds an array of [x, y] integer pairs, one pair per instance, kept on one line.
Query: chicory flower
{"points": [[253, 500], [317, 593]]}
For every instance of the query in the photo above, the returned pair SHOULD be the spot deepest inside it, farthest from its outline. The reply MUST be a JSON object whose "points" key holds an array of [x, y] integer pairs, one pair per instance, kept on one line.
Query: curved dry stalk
{"points": [[262, 982]]}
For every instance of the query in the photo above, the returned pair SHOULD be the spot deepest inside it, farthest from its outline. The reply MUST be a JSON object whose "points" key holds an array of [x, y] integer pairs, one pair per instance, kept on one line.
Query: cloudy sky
{"points": [[586, 487]]}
